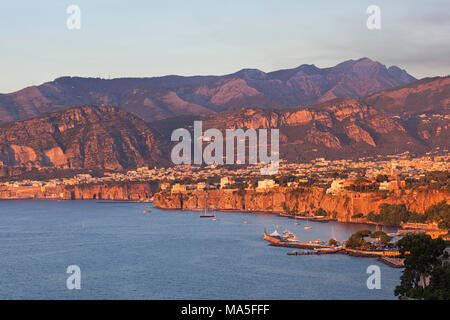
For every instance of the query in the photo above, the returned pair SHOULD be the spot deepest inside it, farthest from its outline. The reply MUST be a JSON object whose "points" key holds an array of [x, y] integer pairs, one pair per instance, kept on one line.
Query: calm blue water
{"points": [[125, 254]]}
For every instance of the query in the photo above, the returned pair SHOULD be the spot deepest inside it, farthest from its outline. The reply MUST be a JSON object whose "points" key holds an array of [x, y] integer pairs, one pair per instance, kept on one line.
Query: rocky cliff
{"points": [[343, 206], [87, 137], [137, 191], [337, 129]]}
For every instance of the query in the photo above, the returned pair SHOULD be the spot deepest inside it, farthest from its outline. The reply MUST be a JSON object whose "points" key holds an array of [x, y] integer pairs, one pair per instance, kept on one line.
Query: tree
{"points": [[320, 212], [423, 259], [439, 212], [356, 240], [390, 214], [381, 178]]}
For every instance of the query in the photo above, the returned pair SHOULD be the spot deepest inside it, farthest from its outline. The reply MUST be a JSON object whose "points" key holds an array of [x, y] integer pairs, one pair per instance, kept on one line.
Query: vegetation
{"points": [[390, 214], [381, 178], [439, 212], [356, 240], [320, 212], [394, 214], [425, 276], [431, 179]]}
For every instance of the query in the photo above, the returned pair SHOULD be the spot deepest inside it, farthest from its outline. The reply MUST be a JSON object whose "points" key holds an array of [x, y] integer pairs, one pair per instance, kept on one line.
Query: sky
{"points": [[197, 37]]}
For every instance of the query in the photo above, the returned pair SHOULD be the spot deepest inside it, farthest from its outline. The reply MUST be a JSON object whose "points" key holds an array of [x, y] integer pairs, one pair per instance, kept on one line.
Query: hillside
{"points": [[161, 97]]}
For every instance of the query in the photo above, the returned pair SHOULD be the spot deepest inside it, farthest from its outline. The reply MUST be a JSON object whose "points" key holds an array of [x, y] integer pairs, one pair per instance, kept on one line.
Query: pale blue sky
{"points": [[197, 37]]}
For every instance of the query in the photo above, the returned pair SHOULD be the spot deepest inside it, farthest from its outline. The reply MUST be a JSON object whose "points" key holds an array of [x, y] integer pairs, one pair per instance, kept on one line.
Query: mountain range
{"points": [[161, 97], [357, 108]]}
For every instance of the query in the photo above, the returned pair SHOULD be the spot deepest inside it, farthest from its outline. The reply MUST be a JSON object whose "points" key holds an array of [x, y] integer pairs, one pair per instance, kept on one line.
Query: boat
{"points": [[289, 236], [146, 209], [307, 228], [246, 222], [275, 234], [206, 215]]}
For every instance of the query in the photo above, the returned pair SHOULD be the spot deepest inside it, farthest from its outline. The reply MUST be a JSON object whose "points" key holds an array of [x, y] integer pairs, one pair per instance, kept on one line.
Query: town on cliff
{"points": [[394, 190]]}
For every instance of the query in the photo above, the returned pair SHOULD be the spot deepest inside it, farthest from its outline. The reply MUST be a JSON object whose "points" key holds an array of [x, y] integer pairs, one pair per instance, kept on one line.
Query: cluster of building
{"points": [[186, 177]]}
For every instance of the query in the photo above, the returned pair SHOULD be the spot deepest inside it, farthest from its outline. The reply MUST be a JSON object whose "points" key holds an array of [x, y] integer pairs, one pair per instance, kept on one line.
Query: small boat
{"points": [[289, 236], [275, 234], [146, 209], [278, 226], [307, 228], [215, 219], [206, 215], [246, 222]]}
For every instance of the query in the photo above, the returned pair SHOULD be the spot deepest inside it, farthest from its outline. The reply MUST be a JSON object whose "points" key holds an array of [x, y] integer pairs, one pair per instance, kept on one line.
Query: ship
{"points": [[206, 215]]}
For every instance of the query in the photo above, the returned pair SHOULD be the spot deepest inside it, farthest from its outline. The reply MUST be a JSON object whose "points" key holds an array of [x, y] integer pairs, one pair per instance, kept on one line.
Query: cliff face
{"points": [[337, 129], [344, 206], [429, 95], [120, 191], [80, 138], [138, 191]]}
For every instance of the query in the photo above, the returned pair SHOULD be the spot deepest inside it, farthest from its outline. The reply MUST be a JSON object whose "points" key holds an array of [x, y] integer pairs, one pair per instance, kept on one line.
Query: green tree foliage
{"points": [[356, 240], [320, 212], [390, 214], [381, 178], [424, 259], [394, 214], [439, 212], [332, 242]]}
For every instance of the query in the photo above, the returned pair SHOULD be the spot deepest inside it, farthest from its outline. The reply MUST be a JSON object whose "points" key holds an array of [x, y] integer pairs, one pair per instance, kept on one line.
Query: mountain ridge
{"points": [[157, 98], [84, 137], [110, 138]]}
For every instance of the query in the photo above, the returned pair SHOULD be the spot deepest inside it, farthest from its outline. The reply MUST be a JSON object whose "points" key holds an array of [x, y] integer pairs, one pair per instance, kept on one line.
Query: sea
{"points": [[120, 252]]}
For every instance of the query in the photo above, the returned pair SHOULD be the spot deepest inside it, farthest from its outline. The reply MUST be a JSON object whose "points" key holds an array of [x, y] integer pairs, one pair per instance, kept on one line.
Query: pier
{"points": [[389, 257], [278, 243]]}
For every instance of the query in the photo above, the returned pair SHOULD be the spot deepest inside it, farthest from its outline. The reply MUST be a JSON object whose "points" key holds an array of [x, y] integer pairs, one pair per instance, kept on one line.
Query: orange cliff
{"points": [[342, 206], [138, 191]]}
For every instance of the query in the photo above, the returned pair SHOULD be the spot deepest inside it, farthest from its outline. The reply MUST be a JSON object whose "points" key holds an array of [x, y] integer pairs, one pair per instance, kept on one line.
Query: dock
{"points": [[386, 256], [311, 218], [299, 245], [393, 262], [316, 252]]}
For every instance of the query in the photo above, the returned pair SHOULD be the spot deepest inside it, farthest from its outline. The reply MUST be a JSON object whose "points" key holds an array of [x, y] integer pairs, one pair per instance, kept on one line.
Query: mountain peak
{"points": [[249, 73], [167, 96]]}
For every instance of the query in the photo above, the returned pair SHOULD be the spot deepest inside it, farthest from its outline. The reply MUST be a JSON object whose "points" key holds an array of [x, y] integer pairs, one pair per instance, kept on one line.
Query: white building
{"points": [[266, 184], [336, 186], [225, 181]]}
